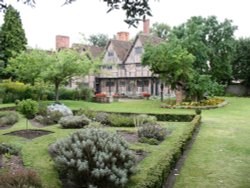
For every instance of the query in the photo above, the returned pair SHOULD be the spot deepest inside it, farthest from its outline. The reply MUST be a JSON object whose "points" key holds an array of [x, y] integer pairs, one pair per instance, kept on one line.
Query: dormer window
{"points": [[110, 54], [138, 50]]}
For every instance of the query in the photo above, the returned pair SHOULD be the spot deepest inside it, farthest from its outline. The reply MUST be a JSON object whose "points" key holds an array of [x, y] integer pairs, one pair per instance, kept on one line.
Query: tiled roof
{"points": [[121, 48], [95, 51]]}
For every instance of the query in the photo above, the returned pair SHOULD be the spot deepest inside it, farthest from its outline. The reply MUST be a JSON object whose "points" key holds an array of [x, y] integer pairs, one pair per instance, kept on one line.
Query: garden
{"points": [[37, 145]]}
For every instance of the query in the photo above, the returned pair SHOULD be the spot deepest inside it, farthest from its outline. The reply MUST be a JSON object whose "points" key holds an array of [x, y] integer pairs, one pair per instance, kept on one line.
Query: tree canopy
{"points": [[161, 30], [135, 10], [211, 42], [98, 40], [12, 36], [241, 62]]}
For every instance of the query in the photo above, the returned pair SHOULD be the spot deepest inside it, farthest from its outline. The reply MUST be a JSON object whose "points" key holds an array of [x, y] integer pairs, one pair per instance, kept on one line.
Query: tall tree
{"points": [[12, 36], [172, 63], [161, 30], [64, 65], [212, 43], [241, 62], [98, 40], [135, 10], [28, 65]]}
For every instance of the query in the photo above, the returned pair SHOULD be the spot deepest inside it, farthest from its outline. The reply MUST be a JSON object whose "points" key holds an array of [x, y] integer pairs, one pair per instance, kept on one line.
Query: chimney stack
{"points": [[123, 36], [62, 42], [146, 28]]}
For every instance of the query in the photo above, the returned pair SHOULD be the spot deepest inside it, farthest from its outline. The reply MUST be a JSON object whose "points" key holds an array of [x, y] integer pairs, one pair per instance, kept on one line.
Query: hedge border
{"points": [[160, 117], [156, 176]]}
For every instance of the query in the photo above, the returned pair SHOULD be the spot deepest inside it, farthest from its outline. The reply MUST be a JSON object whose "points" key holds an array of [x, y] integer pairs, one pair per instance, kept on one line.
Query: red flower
{"points": [[101, 95], [145, 94]]}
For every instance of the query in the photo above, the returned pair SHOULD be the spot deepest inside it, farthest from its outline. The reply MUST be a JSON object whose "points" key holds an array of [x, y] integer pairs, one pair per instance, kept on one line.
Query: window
{"points": [[110, 84], [143, 83], [138, 65], [138, 50], [122, 83], [110, 54], [122, 66], [139, 83]]}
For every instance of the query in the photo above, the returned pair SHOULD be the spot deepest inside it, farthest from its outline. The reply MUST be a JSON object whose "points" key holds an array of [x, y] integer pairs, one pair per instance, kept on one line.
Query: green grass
{"points": [[220, 156], [7, 105]]}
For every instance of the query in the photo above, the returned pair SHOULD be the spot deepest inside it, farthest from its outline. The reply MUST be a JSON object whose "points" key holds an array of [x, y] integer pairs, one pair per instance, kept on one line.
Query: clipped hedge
{"points": [[157, 174]]}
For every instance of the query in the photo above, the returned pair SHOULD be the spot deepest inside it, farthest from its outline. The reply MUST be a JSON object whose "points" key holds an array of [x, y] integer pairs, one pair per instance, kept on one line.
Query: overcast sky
{"points": [[49, 18]]}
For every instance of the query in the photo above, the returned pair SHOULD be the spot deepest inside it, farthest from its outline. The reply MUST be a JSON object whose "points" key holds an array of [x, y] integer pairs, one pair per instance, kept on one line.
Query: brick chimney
{"points": [[123, 36], [146, 28], [62, 42]]}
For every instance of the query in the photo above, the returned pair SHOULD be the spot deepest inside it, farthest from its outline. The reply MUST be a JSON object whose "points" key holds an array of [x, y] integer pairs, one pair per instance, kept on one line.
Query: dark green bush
{"points": [[94, 158], [152, 131], [8, 118], [74, 121], [117, 120], [6, 148], [21, 178], [198, 111], [28, 108]]}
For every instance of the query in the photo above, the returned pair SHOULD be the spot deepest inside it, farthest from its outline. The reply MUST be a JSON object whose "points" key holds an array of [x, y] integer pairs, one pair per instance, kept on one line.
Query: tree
{"points": [[64, 65], [98, 40], [241, 62], [12, 36], [28, 65], [135, 10], [212, 43], [161, 30], [172, 63]]}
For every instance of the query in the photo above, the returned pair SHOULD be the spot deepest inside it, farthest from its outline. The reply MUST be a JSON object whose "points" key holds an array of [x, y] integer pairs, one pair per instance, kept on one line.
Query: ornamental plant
{"points": [[74, 121], [64, 110], [145, 94], [101, 95], [93, 158]]}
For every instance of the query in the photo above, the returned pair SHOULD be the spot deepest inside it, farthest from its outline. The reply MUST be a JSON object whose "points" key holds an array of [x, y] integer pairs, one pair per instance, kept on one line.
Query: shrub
{"points": [[74, 121], [94, 158], [21, 178], [89, 113], [152, 131], [150, 141], [85, 93], [64, 110], [42, 109], [198, 111], [55, 116], [139, 120], [102, 117], [8, 118], [117, 120], [28, 108], [5, 148]]}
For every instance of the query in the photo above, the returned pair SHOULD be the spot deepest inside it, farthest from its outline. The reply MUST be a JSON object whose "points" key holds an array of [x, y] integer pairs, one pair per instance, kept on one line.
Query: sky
{"points": [[49, 18]]}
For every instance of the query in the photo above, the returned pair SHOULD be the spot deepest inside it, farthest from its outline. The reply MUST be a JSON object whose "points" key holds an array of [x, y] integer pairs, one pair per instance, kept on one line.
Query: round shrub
{"points": [[64, 110], [141, 119], [74, 121], [152, 131], [94, 158], [28, 108]]}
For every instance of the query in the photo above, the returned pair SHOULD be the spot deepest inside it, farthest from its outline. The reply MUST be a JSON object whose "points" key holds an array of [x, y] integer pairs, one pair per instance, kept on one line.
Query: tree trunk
{"points": [[57, 92], [179, 93]]}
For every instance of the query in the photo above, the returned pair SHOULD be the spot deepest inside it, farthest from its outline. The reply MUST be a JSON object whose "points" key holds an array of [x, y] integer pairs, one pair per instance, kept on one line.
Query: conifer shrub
{"points": [[74, 121], [151, 131], [93, 158]]}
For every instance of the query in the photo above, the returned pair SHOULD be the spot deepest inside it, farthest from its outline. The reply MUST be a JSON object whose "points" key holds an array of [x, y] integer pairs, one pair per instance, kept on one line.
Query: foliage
{"points": [[21, 178], [140, 120], [100, 40], [88, 113], [64, 65], [212, 44], [117, 120], [151, 141], [28, 108], [201, 86], [8, 118], [161, 30], [100, 95], [12, 36], [102, 117], [28, 65], [241, 61], [94, 157], [204, 102], [10, 149], [152, 131], [74, 121]]}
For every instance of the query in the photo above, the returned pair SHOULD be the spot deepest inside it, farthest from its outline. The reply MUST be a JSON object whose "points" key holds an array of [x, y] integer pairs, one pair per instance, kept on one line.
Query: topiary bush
{"points": [[151, 131], [117, 120], [8, 118], [21, 178], [74, 121], [94, 158]]}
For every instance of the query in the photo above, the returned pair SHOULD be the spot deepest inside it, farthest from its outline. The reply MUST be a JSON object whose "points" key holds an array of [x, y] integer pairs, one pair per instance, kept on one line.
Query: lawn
{"points": [[220, 156]]}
